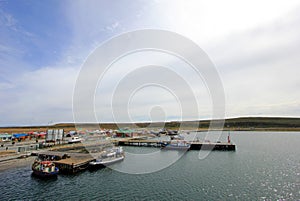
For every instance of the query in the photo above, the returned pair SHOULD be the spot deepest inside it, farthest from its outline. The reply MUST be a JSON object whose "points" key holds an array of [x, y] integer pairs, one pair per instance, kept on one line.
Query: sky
{"points": [[254, 46]]}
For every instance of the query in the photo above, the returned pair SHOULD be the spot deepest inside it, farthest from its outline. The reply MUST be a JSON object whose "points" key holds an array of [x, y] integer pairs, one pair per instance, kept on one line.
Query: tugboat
{"points": [[44, 169], [112, 156]]}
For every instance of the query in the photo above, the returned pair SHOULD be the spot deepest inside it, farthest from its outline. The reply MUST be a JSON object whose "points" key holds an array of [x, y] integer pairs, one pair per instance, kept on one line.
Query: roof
{"points": [[18, 135], [4, 135], [125, 131], [40, 134]]}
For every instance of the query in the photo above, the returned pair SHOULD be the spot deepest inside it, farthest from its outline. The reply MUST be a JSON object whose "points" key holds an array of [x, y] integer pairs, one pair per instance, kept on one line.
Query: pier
{"points": [[68, 163], [195, 145], [222, 146]]}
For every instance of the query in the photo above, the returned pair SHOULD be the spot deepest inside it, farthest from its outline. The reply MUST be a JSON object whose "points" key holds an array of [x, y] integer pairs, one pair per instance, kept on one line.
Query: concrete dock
{"points": [[222, 146], [195, 145]]}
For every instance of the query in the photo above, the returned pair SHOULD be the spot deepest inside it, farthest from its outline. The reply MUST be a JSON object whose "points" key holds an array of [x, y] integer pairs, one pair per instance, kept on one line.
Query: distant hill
{"points": [[242, 123]]}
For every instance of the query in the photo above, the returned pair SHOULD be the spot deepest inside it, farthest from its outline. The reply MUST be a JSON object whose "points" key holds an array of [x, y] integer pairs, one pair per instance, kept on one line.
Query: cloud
{"points": [[113, 26], [7, 20], [256, 55], [206, 21], [39, 96], [259, 68]]}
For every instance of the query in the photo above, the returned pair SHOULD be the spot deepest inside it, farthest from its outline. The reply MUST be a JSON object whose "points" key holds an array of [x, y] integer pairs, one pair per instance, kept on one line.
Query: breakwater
{"points": [[195, 145]]}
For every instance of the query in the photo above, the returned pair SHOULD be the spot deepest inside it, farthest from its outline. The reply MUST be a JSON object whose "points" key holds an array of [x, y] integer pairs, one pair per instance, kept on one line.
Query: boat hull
{"points": [[44, 174], [106, 163], [74, 141]]}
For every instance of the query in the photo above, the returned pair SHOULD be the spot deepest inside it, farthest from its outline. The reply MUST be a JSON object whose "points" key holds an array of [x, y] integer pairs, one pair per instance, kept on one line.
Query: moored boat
{"points": [[109, 157], [44, 169], [177, 137]]}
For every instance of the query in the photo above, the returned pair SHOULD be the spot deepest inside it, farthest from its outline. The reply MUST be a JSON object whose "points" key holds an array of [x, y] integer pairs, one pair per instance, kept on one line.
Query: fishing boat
{"points": [[44, 168], [177, 145], [109, 157]]}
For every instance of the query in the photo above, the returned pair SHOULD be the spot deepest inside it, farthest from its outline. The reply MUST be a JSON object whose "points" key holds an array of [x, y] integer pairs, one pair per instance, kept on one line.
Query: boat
{"points": [[155, 133], [110, 157], [172, 132], [177, 145], [74, 140], [44, 169], [163, 131], [177, 137]]}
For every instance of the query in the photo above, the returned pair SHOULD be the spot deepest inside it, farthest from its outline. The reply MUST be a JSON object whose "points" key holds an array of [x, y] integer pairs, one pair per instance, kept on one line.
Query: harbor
{"points": [[225, 170], [76, 151], [69, 160]]}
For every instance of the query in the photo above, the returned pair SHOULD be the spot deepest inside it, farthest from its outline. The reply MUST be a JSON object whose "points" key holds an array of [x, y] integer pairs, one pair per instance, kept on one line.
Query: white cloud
{"points": [[254, 45], [113, 26], [7, 19], [208, 20], [259, 68], [39, 96], [142, 80]]}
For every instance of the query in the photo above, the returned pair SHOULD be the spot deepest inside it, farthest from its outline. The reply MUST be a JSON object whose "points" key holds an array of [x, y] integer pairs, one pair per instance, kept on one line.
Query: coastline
{"points": [[232, 124], [266, 129], [16, 163]]}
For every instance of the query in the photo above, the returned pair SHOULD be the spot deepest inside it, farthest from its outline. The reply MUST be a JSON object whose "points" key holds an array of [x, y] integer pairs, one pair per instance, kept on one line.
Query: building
{"points": [[5, 137]]}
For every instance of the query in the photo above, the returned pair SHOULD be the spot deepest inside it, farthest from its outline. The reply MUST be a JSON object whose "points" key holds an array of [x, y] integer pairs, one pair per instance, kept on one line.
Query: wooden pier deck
{"points": [[74, 162]]}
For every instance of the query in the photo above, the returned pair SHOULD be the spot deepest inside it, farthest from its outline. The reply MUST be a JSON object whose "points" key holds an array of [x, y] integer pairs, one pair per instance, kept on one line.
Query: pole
{"points": [[228, 138]]}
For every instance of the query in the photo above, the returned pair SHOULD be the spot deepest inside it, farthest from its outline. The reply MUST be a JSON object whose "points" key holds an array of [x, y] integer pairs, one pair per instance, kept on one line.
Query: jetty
{"points": [[67, 163], [195, 145]]}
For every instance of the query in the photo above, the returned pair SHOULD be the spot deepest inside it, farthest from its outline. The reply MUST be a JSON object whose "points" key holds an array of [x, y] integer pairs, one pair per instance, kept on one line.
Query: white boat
{"points": [[177, 137], [74, 140], [112, 156]]}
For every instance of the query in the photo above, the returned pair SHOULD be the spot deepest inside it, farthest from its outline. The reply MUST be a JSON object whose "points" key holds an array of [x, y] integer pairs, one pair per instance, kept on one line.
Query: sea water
{"points": [[265, 166]]}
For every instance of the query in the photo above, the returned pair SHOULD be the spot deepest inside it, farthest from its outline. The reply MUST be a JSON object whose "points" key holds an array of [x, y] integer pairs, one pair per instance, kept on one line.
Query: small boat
{"points": [[74, 140], [44, 169], [178, 145], [177, 137], [163, 131], [172, 132], [109, 157], [155, 133]]}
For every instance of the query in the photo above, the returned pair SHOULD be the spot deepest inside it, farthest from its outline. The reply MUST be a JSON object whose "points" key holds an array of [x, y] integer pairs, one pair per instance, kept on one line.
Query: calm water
{"points": [[266, 166]]}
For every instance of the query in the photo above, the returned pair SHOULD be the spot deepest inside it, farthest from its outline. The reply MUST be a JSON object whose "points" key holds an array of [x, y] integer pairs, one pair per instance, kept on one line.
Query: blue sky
{"points": [[34, 30], [43, 44]]}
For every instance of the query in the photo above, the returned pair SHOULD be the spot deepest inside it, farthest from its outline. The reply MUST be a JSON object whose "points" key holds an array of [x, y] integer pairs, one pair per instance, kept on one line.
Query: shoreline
{"points": [[12, 159], [233, 124], [271, 129], [16, 163]]}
